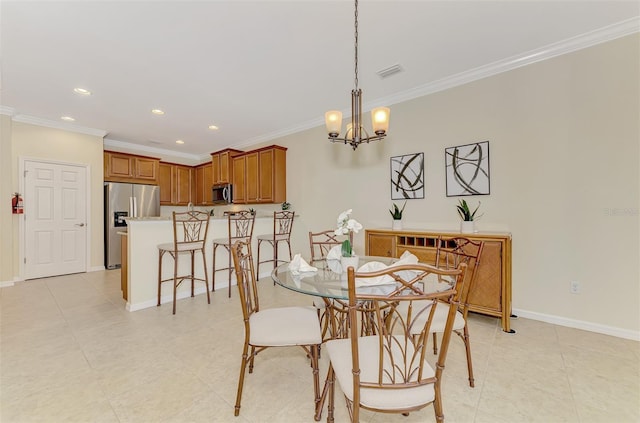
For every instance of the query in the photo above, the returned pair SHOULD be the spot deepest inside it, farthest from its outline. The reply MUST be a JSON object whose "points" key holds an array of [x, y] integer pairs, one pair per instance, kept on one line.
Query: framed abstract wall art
{"points": [[407, 176], [467, 169]]}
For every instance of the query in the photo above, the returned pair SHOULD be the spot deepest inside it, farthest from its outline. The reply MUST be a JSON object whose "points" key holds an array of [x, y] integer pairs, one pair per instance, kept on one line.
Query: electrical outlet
{"points": [[575, 287]]}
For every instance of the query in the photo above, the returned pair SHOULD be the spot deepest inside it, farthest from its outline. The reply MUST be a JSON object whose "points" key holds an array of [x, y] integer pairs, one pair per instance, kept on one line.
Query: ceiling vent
{"points": [[391, 70]]}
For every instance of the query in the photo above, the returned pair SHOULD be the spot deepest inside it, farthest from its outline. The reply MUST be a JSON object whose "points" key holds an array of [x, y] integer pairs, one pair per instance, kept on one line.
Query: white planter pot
{"points": [[346, 262], [467, 227], [396, 225]]}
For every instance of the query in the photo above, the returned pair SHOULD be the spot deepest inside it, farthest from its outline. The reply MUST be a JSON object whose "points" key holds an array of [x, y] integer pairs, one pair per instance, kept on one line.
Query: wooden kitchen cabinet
{"points": [[203, 182], [222, 165], [175, 184], [260, 176], [491, 293], [122, 167]]}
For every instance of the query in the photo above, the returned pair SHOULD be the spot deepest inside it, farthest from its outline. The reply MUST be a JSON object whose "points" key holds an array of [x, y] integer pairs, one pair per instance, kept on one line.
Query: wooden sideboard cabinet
{"points": [[122, 167], [491, 293], [175, 183]]}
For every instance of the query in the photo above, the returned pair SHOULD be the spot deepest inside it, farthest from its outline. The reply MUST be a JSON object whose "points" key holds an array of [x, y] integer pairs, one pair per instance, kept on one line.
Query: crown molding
{"points": [[599, 36], [108, 142], [7, 111], [59, 125]]}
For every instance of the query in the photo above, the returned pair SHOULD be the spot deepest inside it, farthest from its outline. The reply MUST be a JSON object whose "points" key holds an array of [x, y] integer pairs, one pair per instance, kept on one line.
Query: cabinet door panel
{"points": [[215, 168], [121, 166], [253, 178], [265, 178], [239, 180], [146, 169], [182, 185], [164, 181], [486, 291], [381, 245]]}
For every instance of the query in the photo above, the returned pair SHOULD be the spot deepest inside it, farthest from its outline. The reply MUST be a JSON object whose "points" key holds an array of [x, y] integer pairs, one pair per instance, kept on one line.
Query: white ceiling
{"points": [[262, 69]]}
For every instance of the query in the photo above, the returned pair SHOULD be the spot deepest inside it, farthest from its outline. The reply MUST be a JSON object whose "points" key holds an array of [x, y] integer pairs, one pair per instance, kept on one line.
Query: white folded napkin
{"points": [[333, 259], [373, 266], [298, 266]]}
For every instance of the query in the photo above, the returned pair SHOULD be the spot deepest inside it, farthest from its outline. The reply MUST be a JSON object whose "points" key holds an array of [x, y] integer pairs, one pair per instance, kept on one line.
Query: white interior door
{"points": [[55, 219]]}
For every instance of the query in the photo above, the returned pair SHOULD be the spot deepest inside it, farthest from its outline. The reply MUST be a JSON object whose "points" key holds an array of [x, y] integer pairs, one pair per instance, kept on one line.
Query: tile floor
{"points": [[71, 353]]}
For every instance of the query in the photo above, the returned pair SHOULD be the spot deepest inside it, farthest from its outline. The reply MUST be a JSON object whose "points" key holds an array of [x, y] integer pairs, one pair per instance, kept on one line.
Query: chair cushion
{"points": [[339, 352], [186, 246], [285, 326], [225, 241], [269, 237]]}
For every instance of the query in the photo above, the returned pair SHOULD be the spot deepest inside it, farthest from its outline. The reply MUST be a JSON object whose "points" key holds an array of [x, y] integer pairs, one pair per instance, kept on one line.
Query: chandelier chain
{"points": [[356, 44]]}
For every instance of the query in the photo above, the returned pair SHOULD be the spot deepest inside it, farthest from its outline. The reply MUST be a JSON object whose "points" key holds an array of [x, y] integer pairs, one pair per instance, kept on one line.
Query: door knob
{"points": [[80, 224]]}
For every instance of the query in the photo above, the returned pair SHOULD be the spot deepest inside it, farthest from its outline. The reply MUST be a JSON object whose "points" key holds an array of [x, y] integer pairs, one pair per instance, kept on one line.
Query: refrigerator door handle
{"points": [[135, 206]]}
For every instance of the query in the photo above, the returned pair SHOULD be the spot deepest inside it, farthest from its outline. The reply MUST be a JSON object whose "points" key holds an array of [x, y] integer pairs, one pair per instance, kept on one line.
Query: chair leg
{"points": [[160, 254], [467, 346], [230, 269], [206, 276], [243, 367], [175, 279], [192, 272], [258, 264], [331, 380], [315, 351], [213, 273], [435, 343]]}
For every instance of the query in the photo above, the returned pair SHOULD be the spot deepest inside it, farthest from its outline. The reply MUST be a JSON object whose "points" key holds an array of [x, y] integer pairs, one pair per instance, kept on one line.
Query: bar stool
{"points": [[189, 235], [282, 224], [239, 228]]}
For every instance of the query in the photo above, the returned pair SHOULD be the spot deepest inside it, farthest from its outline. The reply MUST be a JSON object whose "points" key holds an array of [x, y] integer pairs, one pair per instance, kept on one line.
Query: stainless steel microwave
{"points": [[222, 194]]}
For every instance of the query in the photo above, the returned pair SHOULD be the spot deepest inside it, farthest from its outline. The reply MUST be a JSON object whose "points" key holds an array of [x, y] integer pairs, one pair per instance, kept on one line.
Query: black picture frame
{"points": [[467, 169], [407, 176]]}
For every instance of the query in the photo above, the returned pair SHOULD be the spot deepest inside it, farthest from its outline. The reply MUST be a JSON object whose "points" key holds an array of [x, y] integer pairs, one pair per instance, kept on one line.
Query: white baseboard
{"points": [[95, 268], [579, 324], [5, 284]]}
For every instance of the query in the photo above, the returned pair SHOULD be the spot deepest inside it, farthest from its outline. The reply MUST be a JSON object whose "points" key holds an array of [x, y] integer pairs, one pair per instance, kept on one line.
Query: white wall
{"points": [[32, 141], [564, 153]]}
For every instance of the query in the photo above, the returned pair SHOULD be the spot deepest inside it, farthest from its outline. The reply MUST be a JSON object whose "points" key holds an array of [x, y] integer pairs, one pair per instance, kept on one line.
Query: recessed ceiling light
{"points": [[213, 127], [68, 118], [179, 142], [157, 112], [81, 91]]}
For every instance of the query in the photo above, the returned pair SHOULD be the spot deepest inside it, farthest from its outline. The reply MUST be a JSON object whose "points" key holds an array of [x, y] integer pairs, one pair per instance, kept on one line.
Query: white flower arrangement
{"points": [[345, 225]]}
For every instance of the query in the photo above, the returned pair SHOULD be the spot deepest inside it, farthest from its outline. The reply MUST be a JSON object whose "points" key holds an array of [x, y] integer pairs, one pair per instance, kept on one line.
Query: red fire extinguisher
{"points": [[16, 204]]}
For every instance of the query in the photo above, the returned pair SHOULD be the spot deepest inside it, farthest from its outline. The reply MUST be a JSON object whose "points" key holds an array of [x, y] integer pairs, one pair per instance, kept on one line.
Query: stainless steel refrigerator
{"points": [[120, 201]]}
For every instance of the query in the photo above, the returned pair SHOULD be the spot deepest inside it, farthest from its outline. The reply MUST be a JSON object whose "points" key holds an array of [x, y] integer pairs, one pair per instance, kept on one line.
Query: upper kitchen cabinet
{"points": [[176, 182], [122, 167], [203, 182], [222, 165], [261, 176]]}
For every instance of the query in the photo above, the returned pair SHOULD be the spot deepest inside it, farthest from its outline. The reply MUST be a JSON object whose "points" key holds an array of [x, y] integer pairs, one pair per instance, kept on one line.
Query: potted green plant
{"points": [[396, 214], [467, 224], [285, 206]]}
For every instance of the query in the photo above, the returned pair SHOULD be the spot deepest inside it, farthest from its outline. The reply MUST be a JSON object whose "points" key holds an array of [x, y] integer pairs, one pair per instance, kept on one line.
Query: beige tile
{"points": [[69, 349]]}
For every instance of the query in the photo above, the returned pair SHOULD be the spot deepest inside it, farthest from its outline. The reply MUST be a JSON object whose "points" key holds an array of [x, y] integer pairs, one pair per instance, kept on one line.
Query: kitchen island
{"points": [[144, 234]]}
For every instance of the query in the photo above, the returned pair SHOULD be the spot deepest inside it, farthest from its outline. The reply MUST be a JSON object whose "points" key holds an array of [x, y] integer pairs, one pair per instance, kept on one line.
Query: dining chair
{"points": [[189, 236], [384, 369], [319, 244], [451, 251], [282, 225], [239, 228], [273, 327]]}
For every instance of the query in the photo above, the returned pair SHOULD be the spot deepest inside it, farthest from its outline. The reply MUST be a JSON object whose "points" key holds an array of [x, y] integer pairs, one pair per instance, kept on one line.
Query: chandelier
{"points": [[356, 134]]}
